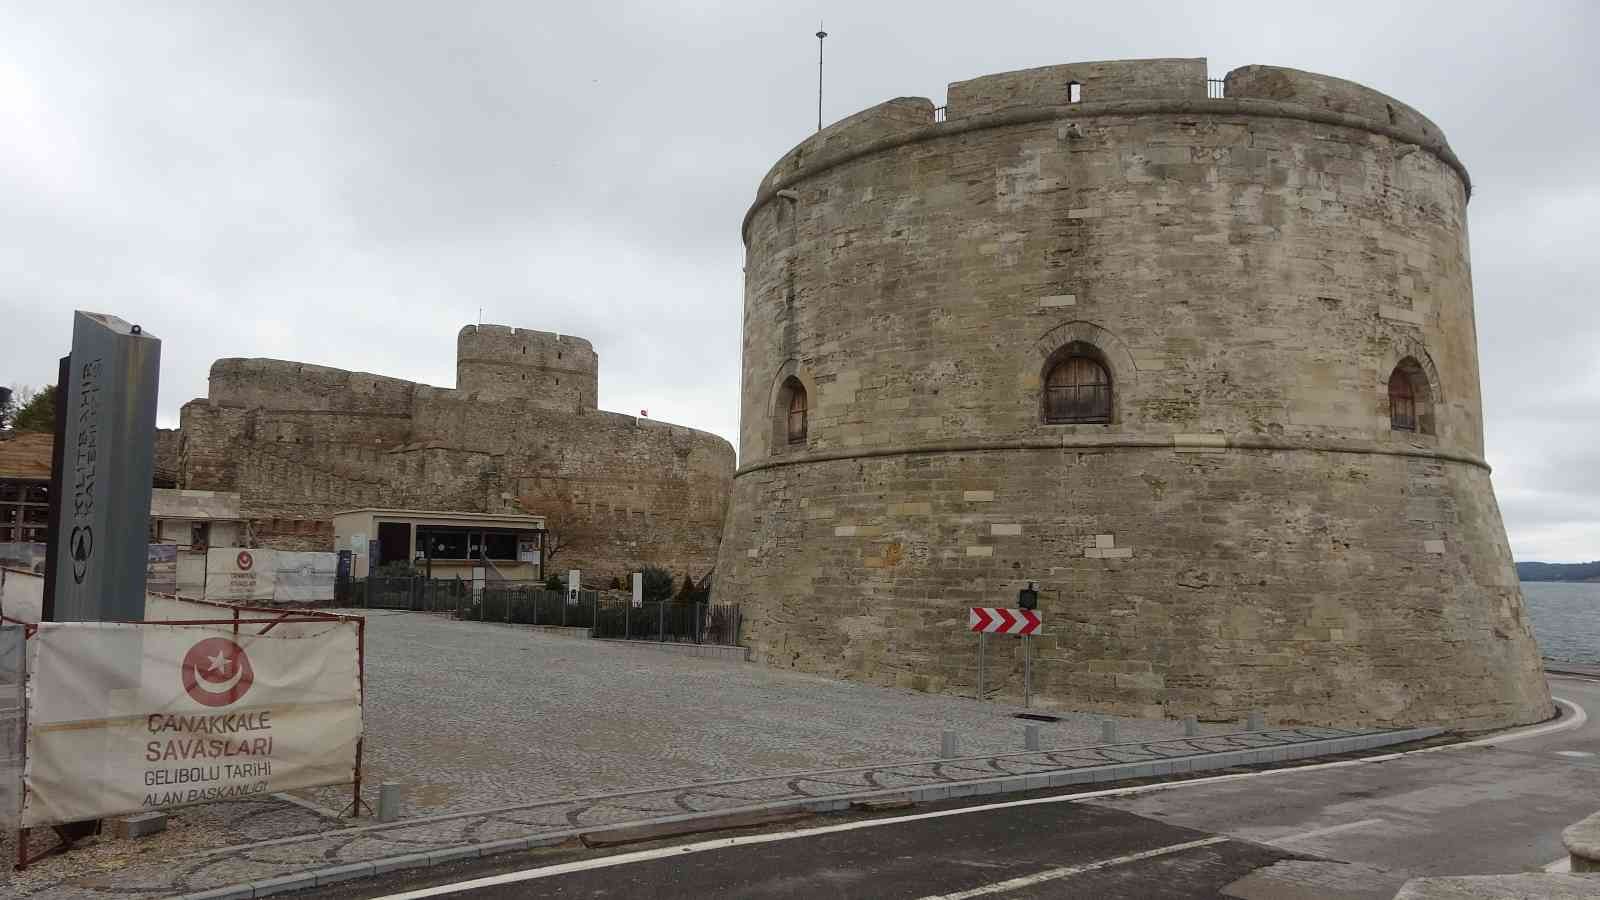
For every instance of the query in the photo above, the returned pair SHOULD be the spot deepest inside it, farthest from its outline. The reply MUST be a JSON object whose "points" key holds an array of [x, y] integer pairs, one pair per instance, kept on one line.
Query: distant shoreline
{"points": [[1577, 573]]}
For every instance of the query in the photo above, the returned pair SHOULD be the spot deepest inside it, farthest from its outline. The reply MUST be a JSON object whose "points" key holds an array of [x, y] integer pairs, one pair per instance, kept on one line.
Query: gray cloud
{"points": [[349, 183]]}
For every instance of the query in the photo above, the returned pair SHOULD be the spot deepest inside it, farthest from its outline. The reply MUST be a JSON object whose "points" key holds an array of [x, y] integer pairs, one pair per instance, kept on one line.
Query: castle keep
{"points": [[1197, 356], [521, 432]]}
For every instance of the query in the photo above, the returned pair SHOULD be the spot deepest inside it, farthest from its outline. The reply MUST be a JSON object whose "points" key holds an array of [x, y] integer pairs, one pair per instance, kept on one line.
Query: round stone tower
{"points": [[1196, 356], [551, 371]]}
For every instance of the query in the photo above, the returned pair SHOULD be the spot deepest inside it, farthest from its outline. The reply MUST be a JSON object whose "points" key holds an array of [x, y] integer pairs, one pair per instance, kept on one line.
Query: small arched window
{"points": [[1077, 390], [1402, 403], [797, 412], [1410, 398]]}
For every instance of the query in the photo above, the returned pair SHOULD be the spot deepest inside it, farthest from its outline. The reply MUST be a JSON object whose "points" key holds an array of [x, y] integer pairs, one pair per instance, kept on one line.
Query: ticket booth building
{"points": [[442, 544]]}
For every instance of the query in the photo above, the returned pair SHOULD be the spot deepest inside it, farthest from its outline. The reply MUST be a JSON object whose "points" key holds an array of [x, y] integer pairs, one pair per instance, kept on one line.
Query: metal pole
{"points": [[661, 621], [627, 613], [361, 686], [981, 636], [1027, 672], [820, 36]]}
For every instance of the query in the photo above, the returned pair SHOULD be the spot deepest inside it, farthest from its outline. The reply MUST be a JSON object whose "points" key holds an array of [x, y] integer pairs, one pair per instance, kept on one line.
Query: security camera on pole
{"points": [[1023, 621]]}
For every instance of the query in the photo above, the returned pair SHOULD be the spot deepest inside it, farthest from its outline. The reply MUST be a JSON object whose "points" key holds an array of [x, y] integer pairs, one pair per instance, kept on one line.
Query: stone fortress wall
{"points": [[1247, 530], [300, 442]]}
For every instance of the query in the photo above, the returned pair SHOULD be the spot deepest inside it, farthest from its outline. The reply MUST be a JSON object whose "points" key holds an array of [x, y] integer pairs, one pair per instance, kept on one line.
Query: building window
{"points": [[1410, 398], [797, 412], [1074, 92], [1077, 389], [1402, 403], [791, 416], [446, 543]]}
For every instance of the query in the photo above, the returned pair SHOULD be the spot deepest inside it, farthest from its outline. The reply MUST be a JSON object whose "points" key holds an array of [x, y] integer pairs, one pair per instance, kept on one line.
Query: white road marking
{"points": [[1577, 719], [1320, 832], [1014, 884], [1564, 864], [1575, 754]]}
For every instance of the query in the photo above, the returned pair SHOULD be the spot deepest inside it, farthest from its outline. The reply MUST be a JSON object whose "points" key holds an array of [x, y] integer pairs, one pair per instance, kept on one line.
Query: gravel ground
{"points": [[470, 716]]}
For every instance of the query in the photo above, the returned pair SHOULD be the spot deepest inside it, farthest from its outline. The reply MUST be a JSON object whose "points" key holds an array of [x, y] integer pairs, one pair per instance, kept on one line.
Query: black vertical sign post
{"points": [[52, 534], [105, 459]]}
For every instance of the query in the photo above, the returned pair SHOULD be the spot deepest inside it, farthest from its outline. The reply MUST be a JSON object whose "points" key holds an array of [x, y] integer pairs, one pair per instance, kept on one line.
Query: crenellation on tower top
{"points": [[555, 371]]}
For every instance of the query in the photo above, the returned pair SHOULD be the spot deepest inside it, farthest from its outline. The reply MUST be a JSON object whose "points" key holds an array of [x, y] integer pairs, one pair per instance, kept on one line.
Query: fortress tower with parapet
{"points": [[1197, 356], [555, 371], [520, 432]]}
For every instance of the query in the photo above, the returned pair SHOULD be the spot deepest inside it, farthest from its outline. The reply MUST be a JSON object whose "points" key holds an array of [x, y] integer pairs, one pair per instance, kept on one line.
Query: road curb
{"points": [[1177, 765]]}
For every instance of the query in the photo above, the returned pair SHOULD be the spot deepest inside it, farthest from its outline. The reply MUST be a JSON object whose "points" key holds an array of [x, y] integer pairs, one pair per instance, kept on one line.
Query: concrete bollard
{"points": [[1030, 737], [949, 748], [1191, 726], [1256, 720], [1108, 731], [389, 801], [138, 826]]}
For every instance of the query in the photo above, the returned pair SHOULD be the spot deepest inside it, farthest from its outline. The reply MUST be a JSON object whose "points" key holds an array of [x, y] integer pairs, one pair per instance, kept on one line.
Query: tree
{"points": [[7, 408], [566, 525], [687, 592], [37, 410], [657, 584]]}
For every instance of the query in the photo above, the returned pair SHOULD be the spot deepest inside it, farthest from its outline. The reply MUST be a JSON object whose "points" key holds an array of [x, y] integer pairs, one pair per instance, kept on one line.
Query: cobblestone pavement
{"points": [[471, 716], [286, 856]]}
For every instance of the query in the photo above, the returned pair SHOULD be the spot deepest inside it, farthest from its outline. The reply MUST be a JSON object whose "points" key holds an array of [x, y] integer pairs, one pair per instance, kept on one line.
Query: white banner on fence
{"points": [[126, 717], [234, 573], [161, 569], [303, 577], [12, 649]]}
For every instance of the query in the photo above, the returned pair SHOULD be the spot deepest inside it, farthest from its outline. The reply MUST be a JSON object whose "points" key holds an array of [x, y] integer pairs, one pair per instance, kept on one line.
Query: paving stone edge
{"points": [[835, 803]]}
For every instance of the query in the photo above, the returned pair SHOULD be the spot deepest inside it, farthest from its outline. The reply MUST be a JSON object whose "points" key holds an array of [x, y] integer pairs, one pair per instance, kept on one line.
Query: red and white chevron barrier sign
{"points": [[994, 620]]}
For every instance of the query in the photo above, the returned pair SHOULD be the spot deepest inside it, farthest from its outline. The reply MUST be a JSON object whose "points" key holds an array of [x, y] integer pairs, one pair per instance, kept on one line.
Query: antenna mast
{"points": [[820, 36]]}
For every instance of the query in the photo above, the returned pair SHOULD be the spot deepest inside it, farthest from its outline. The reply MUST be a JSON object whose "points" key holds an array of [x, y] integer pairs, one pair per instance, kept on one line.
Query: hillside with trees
{"points": [[1543, 571]]}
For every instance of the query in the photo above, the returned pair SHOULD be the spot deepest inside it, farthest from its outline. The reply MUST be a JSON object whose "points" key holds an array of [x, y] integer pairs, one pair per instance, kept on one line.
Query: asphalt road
{"points": [[1351, 831]]}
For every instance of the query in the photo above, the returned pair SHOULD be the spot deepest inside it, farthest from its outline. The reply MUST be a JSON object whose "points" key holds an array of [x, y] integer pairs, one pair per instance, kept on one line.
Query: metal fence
{"points": [[697, 623], [529, 603], [1214, 88]]}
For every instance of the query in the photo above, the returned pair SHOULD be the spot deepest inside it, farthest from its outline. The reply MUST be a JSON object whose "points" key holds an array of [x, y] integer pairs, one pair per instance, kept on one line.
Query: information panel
{"points": [[126, 717]]}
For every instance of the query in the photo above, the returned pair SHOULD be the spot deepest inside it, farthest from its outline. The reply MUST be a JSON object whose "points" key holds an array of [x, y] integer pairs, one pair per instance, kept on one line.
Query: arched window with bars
{"points": [[1410, 398], [1402, 403], [1077, 387], [797, 412], [791, 416]]}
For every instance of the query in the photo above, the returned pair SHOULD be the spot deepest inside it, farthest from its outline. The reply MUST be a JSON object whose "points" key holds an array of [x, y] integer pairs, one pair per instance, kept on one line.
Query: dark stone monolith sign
{"points": [[104, 469]]}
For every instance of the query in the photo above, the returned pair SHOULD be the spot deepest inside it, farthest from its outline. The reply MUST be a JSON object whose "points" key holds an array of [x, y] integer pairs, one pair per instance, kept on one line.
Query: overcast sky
{"points": [[348, 183]]}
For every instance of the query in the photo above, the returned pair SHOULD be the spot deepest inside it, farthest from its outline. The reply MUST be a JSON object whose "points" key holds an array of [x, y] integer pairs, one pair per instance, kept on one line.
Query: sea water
{"points": [[1566, 619]]}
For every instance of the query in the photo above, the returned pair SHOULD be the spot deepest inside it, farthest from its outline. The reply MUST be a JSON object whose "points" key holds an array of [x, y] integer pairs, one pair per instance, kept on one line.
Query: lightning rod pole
{"points": [[820, 36]]}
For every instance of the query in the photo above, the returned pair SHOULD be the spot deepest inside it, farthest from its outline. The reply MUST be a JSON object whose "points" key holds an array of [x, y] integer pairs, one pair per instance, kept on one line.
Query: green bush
{"points": [[657, 584]]}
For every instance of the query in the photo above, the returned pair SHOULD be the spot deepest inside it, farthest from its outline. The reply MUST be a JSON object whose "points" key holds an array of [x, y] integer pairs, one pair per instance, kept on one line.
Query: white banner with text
{"points": [[235, 573], [125, 718]]}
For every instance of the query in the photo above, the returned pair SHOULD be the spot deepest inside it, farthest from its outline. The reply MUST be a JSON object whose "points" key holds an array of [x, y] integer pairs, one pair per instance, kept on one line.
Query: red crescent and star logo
{"points": [[216, 672], [245, 560]]}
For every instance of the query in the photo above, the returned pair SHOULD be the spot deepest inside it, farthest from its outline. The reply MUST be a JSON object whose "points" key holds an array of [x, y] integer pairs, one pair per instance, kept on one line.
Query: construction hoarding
{"points": [[161, 573], [12, 647], [234, 573], [127, 717], [281, 576]]}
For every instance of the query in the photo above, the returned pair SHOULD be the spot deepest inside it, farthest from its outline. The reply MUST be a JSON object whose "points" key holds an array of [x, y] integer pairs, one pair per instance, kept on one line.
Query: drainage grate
{"points": [[1036, 717]]}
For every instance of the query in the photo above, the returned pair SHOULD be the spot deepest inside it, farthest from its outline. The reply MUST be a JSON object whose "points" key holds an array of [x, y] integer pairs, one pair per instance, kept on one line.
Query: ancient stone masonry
{"points": [[1205, 368], [520, 433]]}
